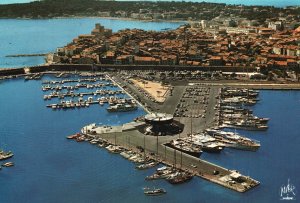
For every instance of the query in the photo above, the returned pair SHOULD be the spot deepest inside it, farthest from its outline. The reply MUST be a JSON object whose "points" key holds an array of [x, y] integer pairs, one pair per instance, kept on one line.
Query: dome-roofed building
{"points": [[162, 124]]}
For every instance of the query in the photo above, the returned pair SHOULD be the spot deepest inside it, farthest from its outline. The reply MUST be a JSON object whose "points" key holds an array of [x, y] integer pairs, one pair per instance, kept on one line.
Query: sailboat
{"points": [[146, 164]]}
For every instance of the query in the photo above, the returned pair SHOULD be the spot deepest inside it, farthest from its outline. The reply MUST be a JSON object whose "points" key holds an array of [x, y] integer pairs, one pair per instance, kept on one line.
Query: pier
{"points": [[194, 104], [126, 92], [200, 112], [81, 94], [155, 149]]}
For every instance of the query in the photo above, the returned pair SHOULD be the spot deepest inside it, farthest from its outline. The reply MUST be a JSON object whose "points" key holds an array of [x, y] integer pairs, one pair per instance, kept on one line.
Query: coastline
{"points": [[46, 68], [95, 17], [93, 167]]}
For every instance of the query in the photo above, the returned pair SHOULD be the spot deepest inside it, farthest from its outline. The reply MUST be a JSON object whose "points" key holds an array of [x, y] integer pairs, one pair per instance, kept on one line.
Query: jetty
{"points": [[207, 104], [199, 103], [129, 137], [25, 55]]}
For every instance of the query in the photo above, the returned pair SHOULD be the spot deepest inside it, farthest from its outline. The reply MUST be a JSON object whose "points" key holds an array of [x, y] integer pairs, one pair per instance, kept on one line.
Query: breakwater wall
{"points": [[25, 55], [12, 71], [107, 67]]}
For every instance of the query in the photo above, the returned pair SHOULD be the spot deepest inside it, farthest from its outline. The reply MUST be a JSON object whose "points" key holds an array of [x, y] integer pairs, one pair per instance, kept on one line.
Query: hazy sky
{"points": [[246, 2]]}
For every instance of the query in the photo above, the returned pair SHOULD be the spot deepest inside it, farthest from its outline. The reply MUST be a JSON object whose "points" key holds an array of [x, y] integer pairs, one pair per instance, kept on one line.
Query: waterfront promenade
{"points": [[72, 68]]}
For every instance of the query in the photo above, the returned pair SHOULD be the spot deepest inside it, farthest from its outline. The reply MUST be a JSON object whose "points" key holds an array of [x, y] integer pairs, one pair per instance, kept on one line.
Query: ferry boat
{"points": [[5, 155], [122, 108], [154, 192]]}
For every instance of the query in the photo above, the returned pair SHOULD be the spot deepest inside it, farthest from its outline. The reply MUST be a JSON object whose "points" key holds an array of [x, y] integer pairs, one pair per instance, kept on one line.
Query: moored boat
{"points": [[122, 108], [212, 148], [185, 147], [179, 177], [146, 165], [73, 136]]}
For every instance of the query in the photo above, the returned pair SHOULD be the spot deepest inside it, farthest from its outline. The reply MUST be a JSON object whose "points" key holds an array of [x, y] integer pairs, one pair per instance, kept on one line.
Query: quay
{"points": [[126, 92], [86, 103], [256, 85], [198, 117], [99, 69], [129, 137]]}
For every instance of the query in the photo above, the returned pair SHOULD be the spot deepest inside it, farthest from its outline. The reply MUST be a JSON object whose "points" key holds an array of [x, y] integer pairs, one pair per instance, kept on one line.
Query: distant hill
{"points": [[139, 10]]}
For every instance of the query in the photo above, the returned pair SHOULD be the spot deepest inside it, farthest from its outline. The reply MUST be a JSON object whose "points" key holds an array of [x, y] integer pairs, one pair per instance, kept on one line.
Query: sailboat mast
{"points": [[180, 158], [157, 141], [144, 148], [156, 147], [191, 127], [175, 158]]}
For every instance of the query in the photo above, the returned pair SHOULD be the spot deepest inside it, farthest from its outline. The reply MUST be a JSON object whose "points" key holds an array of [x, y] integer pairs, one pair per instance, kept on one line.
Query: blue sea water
{"points": [[44, 36], [49, 168]]}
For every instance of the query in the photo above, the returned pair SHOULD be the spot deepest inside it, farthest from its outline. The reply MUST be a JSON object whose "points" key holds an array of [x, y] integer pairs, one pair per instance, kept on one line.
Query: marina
{"points": [[37, 138], [227, 110], [192, 144], [115, 97], [166, 155]]}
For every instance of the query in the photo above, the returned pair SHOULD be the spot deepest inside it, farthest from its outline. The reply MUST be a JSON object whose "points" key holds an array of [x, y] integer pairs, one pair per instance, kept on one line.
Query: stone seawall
{"points": [[13, 71], [106, 67]]}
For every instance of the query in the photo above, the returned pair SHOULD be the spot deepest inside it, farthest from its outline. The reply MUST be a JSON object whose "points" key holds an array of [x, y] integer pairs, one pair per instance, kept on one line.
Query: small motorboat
{"points": [[158, 191], [8, 164]]}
